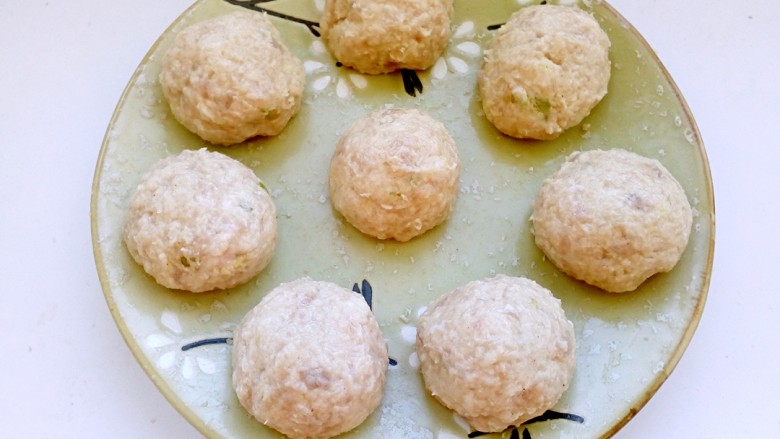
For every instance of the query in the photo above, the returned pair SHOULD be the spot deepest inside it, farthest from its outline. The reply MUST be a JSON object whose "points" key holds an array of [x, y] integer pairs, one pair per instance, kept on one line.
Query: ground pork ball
{"points": [[612, 219], [394, 174], [498, 351], [380, 36], [231, 77], [200, 221], [309, 360], [544, 71]]}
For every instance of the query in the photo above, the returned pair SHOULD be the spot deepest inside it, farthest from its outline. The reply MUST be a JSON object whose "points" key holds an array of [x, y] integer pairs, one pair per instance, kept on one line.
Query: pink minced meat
{"points": [[310, 360], [394, 174], [231, 78], [612, 218], [497, 351], [200, 221]]}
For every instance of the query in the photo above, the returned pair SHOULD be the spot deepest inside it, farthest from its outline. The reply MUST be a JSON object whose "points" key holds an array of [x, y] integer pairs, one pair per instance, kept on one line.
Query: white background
{"points": [[65, 370]]}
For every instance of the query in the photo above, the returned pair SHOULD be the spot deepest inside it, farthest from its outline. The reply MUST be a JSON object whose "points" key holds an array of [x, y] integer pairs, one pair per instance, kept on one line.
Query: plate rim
{"points": [[698, 309], [105, 284]]}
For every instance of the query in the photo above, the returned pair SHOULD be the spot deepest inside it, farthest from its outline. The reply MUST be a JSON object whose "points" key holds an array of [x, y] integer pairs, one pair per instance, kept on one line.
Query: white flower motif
{"points": [[168, 345], [462, 46], [321, 69], [324, 75], [409, 334]]}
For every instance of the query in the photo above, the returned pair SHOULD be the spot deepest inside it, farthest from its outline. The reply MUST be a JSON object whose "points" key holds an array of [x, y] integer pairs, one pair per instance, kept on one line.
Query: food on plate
{"points": [[200, 221], [612, 218], [498, 351], [309, 360], [544, 71], [394, 174], [231, 77], [381, 36]]}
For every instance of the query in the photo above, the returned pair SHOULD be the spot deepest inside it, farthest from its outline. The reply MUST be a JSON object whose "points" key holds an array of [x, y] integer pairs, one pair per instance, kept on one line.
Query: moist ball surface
{"points": [[200, 221], [612, 218], [309, 360], [497, 351], [231, 77], [394, 174], [544, 71], [380, 36]]}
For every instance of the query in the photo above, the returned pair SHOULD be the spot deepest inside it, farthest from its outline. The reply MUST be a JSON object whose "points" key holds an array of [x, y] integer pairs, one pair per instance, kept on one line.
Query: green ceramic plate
{"points": [[627, 344]]}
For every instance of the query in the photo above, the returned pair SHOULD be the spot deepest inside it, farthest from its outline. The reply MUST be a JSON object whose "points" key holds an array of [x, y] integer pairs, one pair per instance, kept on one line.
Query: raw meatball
{"points": [[309, 360], [544, 71], [199, 221], [394, 174], [380, 36], [612, 219], [231, 78], [498, 351]]}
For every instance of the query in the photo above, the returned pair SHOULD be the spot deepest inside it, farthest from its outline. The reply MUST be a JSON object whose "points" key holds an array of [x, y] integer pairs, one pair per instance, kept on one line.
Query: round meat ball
{"points": [[544, 71], [612, 219], [381, 36], [309, 360], [498, 351], [231, 77], [394, 174], [200, 221]]}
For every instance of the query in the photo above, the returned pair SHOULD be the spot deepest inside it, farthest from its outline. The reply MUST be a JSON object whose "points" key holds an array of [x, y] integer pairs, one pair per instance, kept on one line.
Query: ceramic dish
{"points": [[627, 344]]}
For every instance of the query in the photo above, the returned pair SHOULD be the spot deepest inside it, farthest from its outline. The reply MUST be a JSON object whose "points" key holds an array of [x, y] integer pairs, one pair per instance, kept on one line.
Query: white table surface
{"points": [[65, 370]]}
